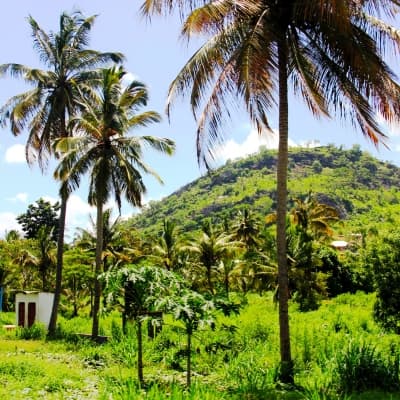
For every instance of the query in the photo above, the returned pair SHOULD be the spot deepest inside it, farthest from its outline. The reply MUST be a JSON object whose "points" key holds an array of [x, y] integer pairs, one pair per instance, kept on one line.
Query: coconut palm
{"points": [[169, 247], [212, 248], [331, 52], [103, 149], [246, 229], [45, 109], [314, 216], [45, 260]]}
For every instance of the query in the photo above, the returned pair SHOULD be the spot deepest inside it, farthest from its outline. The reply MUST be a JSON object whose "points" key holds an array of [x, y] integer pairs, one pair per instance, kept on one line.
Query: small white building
{"points": [[33, 306], [340, 245]]}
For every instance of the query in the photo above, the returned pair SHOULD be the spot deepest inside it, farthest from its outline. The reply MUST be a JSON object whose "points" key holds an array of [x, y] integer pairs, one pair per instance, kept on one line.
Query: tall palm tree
{"points": [[45, 109], [103, 149], [331, 52]]}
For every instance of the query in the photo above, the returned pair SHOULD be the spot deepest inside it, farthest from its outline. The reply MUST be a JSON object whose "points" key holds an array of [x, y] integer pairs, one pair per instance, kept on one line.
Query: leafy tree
{"points": [[12, 235], [384, 258], [113, 159], [332, 54], [141, 288], [39, 215], [78, 280], [195, 311], [55, 97], [340, 277]]}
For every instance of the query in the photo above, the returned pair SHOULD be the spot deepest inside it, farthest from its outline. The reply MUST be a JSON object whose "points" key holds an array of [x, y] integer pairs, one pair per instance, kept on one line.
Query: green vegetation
{"points": [[361, 188], [339, 353], [228, 252]]}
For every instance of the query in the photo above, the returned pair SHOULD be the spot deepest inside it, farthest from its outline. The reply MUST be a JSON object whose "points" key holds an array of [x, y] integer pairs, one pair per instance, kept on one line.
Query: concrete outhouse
{"points": [[33, 306]]}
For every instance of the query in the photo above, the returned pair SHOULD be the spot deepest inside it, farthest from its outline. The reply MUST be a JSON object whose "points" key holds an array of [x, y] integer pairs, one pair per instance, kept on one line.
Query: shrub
{"points": [[385, 261], [361, 367], [35, 332]]}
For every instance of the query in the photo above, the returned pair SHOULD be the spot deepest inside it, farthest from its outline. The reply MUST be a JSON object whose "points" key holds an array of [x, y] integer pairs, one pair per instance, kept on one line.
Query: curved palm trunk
{"points": [[59, 267], [97, 271], [286, 374]]}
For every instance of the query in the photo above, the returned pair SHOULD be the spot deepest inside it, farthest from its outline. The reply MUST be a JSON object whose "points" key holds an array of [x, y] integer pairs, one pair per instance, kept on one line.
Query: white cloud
{"points": [[16, 154], [22, 197], [19, 197], [8, 222], [252, 144], [78, 212]]}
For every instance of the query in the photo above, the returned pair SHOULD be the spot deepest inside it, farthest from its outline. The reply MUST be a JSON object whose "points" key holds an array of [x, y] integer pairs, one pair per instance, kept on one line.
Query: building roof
{"points": [[339, 243]]}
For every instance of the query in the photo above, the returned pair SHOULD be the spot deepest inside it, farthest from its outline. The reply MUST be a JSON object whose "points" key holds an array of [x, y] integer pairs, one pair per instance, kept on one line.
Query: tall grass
{"points": [[361, 367]]}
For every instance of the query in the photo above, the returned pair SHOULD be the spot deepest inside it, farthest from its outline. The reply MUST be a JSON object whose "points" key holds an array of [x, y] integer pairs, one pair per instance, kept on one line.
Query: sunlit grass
{"points": [[238, 360]]}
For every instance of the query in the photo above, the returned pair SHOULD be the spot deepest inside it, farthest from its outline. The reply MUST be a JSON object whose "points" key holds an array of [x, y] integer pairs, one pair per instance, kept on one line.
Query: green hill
{"points": [[362, 188]]}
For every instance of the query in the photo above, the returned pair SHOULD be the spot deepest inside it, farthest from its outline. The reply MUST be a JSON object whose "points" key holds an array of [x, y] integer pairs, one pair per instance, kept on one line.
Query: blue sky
{"points": [[154, 55]]}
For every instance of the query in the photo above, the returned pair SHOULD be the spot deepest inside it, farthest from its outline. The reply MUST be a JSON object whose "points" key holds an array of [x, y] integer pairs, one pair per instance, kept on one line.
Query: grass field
{"points": [[339, 353]]}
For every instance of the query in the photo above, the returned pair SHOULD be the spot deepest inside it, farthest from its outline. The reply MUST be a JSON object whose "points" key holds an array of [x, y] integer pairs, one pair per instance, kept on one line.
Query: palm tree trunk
{"points": [[59, 267], [226, 284], [209, 281], [97, 271], [283, 279]]}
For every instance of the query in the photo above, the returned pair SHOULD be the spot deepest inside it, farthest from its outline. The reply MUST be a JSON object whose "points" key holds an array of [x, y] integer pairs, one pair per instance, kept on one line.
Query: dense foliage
{"points": [[361, 188], [39, 215]]}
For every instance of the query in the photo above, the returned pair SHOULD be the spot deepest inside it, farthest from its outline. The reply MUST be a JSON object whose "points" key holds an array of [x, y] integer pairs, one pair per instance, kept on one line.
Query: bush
{"points": [[35, 332], [385, 260], [361, 367]]}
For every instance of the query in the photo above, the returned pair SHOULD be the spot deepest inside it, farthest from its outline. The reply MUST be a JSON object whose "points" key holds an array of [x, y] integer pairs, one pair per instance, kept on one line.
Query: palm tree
{"points": [[86, 240], [246, 229], [113, 160], [46, 259], [330, 51], [112, 238], [45, 109], [168, 249], [212, 248], [313, 216]]}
